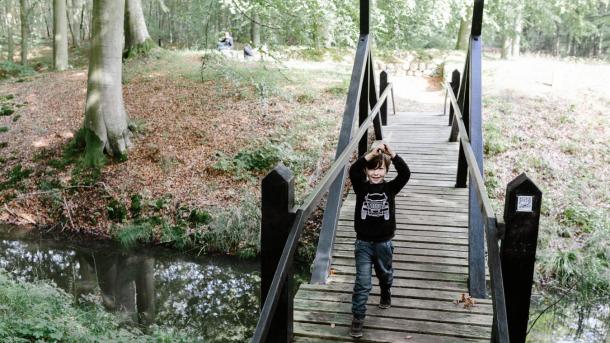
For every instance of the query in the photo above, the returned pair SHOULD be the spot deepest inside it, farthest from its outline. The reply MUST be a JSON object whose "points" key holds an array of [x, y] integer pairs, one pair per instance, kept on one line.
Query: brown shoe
{"points": [[357, 325]]}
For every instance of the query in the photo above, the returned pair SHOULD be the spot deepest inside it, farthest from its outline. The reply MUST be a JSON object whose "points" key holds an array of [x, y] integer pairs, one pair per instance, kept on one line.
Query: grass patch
{"points": [[10, 69], [3, 129], [41, 312], [15, 177]]}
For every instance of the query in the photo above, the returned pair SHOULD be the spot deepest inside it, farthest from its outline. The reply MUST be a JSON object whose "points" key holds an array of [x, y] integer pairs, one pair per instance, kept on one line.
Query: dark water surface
{"points": [[214, 297], [568, 319]]}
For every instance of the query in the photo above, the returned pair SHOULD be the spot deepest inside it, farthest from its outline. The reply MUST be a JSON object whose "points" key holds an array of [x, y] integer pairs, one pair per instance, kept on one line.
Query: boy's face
{"points": [[376, 175]]}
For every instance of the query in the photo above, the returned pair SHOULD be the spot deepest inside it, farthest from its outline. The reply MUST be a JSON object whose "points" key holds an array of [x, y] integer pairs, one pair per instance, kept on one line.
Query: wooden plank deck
{"points": [[430, 254]]}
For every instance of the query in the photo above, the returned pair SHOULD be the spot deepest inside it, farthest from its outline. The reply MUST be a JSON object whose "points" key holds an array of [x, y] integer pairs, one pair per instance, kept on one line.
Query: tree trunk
{"points": [[106, 123], [60, 35], [9, 31], [506, 46], [462, 39], [24, 31], [255, 29], [516, 47], [73, 18], [137, 39]]}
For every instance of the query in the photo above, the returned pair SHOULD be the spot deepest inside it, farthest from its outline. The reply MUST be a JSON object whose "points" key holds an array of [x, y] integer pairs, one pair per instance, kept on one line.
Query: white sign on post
{"points": [[524, 203]]}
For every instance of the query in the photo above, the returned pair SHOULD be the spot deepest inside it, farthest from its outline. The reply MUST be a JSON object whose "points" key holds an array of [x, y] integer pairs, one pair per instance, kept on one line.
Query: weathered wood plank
{"points": [[453, 286], [347, 250], [411, 246], [393, 324], [340, 333], [448, 306], [395, 312]]}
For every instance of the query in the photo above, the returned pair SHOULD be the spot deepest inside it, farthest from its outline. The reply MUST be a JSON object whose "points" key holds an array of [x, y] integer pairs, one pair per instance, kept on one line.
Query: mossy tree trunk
{"points": [[60, 35], [106, 123], [23, 16], [137, 38]]}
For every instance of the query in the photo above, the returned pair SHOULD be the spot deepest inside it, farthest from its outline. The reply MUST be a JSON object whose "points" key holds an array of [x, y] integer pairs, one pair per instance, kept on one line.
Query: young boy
{"points": [[375, 223]]}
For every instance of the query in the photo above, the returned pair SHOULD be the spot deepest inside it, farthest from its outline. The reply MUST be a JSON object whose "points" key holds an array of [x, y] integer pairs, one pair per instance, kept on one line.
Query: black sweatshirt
{"points": [[374, 218]]}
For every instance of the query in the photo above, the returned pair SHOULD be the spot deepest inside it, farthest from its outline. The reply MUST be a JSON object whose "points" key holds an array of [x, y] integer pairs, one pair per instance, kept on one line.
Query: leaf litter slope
{"points": [[183, 126]]}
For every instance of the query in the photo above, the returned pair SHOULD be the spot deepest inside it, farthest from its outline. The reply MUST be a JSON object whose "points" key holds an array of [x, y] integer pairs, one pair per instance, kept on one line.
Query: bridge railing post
{"points": [[383, 84], [518, 251], [455, 87], [277, 202]]}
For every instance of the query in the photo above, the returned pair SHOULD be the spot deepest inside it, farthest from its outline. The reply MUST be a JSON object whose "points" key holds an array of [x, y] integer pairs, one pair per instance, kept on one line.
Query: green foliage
{"points": [[495, 141], [137, 232], [117, 212], [3, 129], [139, 49], [306, 98], [254, 160], [6, 110], [15, 176], [11, 69], [243, 80], [42, 312], [234, 231], [198, 216], [136, 205]]}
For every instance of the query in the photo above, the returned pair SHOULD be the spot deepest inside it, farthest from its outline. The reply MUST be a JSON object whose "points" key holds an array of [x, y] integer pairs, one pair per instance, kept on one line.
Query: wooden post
{"points": [[364, 17], [474, 115], [373, 98], [455, 87], [383, 84], [363, 109], [518, 251], [277, 201], [463, 102]]}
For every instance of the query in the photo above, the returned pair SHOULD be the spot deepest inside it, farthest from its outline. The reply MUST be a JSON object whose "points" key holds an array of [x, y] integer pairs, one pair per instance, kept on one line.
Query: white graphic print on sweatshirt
{"points": [[375, 205]]}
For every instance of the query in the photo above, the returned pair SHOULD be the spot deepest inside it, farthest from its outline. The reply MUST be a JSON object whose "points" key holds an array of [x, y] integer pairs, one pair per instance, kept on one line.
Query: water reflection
{"points": [[569, 319], [214, 299]]}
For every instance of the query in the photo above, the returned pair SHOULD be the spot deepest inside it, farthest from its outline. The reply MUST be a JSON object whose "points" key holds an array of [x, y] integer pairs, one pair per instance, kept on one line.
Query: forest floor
{"points": [[205, 137]]}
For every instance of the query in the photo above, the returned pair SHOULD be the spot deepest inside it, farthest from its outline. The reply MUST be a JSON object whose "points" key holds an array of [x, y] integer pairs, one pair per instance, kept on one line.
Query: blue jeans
{"points": [[371, 254]]}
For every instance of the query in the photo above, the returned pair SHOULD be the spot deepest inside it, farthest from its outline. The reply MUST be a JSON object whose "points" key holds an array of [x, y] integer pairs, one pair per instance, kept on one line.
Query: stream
{"points": [[215, 297]]}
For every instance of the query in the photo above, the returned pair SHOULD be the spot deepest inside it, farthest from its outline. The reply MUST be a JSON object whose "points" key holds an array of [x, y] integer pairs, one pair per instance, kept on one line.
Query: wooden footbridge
{"points": [[447, 231]]}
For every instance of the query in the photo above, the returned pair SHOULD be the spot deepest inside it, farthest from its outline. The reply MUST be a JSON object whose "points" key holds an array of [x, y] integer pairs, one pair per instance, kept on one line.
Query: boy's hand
{"points": [[389, 151], [374, 153]]}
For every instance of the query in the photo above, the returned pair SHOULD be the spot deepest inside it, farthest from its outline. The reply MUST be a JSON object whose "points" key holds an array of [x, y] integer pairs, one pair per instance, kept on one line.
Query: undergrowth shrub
{"points": [[41, 312], [11, 69]]}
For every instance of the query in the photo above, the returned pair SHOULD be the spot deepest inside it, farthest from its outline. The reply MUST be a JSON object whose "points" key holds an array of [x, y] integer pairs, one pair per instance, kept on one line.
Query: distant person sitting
{"points": [[248, 52], [226, 43]]}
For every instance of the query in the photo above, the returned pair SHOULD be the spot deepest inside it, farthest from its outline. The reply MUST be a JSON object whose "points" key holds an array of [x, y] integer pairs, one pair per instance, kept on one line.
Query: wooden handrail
{"points": [[301, 215], [500, 329]]}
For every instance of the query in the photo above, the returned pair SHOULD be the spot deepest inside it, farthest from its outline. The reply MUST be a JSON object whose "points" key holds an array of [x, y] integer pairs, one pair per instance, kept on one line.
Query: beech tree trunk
{"points": [[9, 31], [255, 29], [462, 39], [516, 47], [60, 35], [73, 21], [137, 39], [23, 15], [106, 123], [506, 47]]}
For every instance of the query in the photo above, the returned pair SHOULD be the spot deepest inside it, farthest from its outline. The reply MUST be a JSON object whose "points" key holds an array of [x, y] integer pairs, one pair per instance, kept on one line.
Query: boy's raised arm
{"points": [[404, 173], [357, 175]]}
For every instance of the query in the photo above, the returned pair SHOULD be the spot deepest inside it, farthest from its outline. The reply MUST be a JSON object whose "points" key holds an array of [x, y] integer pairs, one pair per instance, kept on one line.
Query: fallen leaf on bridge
{"points": [[465, 299]]}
